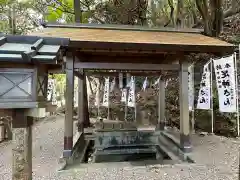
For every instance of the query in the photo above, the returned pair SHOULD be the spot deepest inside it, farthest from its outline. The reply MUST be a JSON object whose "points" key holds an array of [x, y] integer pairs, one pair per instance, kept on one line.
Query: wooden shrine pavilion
{"points": [[78, 48]]}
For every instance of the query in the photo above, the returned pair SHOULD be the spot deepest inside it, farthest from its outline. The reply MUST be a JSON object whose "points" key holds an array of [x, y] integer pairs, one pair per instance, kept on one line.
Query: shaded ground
{"points": [[216, 157]]}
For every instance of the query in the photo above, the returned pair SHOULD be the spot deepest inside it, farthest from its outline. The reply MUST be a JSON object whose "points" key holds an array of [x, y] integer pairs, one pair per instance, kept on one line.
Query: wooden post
{"points": [[2, 130], [83, 115], [161, 104], [22, 145], [86, 121], [68, 125], [80, 103], [185, 142]]}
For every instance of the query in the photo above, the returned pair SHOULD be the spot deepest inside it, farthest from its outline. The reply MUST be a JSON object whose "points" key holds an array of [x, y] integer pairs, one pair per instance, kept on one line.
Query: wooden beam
{"points": [[124, 57], [126, 66], [120, 52], [115, 74]]}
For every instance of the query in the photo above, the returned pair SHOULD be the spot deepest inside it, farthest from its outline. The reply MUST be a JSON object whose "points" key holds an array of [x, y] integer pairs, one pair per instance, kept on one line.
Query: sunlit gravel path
{"points": [[216, 159]]}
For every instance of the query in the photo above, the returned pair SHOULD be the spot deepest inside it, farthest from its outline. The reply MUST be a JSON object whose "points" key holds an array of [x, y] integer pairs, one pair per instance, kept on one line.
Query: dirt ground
{"points": [[216, 159]]}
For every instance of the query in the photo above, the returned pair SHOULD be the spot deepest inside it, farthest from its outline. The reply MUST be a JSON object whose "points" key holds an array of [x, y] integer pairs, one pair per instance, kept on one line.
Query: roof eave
{"points": [[121, 27], [152, 47]]}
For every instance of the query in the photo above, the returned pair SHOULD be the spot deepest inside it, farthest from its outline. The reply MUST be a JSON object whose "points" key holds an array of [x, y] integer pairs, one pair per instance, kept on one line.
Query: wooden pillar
{"points": [[68, 124], [22, 145], [161, 104], [185, 142], [86, 121], [80, 102]]}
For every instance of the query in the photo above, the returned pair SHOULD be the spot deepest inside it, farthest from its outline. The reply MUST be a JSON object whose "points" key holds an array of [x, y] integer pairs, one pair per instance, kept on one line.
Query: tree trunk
{"points": [[179, 17], [212, 16], [142, 12]]}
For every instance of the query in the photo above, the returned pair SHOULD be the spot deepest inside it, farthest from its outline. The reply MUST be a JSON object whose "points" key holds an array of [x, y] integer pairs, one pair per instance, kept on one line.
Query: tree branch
{"points": [[170, 3]]}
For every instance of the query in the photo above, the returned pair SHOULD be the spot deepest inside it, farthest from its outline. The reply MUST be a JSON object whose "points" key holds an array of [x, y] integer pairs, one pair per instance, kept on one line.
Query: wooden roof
{"points": [[94, 37]]}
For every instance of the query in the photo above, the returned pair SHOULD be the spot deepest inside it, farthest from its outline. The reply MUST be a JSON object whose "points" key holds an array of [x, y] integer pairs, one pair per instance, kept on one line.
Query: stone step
{"points": [[167, 148]]}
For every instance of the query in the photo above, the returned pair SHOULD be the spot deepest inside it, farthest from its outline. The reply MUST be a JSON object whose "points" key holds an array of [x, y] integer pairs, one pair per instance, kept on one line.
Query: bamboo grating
{"points": [[123, 36]]}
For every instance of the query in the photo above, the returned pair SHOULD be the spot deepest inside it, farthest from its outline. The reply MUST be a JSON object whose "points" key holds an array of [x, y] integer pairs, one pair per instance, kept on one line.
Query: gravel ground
{"points": [[216, 159]]}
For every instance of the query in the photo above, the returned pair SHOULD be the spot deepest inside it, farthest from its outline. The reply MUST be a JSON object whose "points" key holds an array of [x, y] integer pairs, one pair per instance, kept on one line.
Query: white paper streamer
{"points": [[97, 100], [131, 96], [145, 84], [124, 95], [120, 80], [128, 80], [106, 93], [156, 82], [113, 85]]}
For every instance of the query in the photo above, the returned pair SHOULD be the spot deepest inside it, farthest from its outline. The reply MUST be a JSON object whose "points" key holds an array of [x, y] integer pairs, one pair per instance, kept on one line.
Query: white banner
{"points": [[191, 87], [113, 85], [204, 96], [124, 95], [225, 77], [51, 91], [128, 81], [156, 82], [97, 100], [131, 96], [120, 80], [106, 93], [145, 84]]}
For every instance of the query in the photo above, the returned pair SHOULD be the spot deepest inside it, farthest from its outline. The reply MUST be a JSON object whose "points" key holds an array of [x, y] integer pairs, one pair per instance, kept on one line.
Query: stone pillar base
{"points": [[161, 126], [68, 144], [185, 143]]}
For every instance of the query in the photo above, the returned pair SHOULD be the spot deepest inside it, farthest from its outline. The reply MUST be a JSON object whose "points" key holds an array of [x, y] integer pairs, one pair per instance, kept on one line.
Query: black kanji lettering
{"points": [[218, 67], [204, 76], [202, 92], [225, 73], [202, 100], [227, 65], [226, 92], [203, 84], [227, 102], [225, 83]]}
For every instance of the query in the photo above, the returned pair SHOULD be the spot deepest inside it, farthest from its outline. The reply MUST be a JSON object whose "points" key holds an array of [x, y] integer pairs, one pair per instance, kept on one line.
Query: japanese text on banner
{"points": [[106, 93], [226, 85], [204, 96]]}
